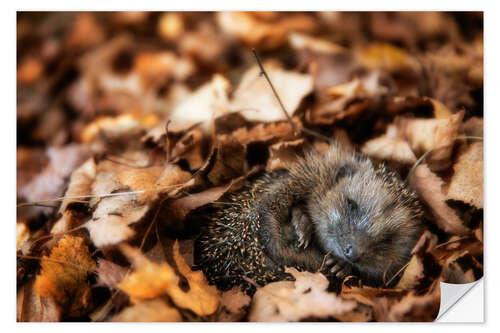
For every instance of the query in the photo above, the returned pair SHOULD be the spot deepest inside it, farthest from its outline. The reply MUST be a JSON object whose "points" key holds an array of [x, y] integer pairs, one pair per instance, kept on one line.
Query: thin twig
{"points": [[294, 126], [263, 72]]}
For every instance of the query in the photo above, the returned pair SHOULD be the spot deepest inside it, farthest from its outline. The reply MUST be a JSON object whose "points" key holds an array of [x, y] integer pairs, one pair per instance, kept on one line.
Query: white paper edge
{"points": [[461, 303]]}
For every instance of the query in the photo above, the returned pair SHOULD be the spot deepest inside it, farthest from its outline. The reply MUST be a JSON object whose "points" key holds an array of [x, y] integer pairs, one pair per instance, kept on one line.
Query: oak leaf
{"points": [[64, 273]]}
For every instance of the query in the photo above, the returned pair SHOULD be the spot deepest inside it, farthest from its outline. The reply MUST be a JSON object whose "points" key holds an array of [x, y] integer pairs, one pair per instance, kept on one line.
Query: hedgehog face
{"points": [[362, 220]]}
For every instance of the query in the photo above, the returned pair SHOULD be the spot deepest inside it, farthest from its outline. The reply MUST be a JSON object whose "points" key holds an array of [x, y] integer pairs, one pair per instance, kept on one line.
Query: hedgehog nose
{"points": [[351, 253]]}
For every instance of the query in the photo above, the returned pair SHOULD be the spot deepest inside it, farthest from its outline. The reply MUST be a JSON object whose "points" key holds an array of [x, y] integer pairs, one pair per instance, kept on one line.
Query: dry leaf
{"points": [[110, 223], [390, 147], [435, 135], [254, 97], [255, 31], [202, 298], [151, 280], [429, 188], [128, 124], [385, 56], [49, 184], [109, 274], [466, 185], [202, 106], [33, 308], [347, 99], [302, 299], [64, 273]]}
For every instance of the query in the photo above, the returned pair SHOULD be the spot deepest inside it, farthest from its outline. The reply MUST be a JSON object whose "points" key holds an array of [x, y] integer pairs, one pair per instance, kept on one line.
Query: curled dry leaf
{"points": [[390, 146], [202, 106], [283, 154], [293, 301], [128, 124], [429, 187], [151, 280], [348, 99], [190, 148], [254, 97], [435, 135], [64, 273], [202, 298], [110, 223], [155, 310], [415, 273], [466, 185], [264, 132], [255, 30]]}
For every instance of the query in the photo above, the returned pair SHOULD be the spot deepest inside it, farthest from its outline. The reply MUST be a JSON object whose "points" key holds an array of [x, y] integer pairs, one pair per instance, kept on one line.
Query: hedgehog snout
{"points": [[352, 252]]}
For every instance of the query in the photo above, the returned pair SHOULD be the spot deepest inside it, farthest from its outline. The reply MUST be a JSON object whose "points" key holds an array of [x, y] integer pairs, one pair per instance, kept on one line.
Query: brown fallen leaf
{"points": [[302, 41], [111, 220], [293, 301], [154, 310], [264, 132], [461, 267], [434, 135], [150, 280], [109, 274], [254, 97], [64, 273], [429, 187], [256, 30], [202, 298], [34, 308], [386, 57], [128, 124], [417, 307], [466, 184], [417, 272], [283, 154], [390, 146], [202, 106], [49, 184], [348, 99]]}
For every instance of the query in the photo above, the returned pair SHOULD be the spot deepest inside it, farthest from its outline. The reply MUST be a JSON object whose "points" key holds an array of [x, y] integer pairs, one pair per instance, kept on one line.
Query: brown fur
{"points": [[344, 199]]}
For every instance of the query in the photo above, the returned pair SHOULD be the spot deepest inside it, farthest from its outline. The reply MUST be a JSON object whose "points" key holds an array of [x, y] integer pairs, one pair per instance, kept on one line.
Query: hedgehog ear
{"points": [[342, 171]]}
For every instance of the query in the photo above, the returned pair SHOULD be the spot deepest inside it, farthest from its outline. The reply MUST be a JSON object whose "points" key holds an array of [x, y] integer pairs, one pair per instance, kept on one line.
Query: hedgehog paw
{"points": [[302, 227], [337, 267]]}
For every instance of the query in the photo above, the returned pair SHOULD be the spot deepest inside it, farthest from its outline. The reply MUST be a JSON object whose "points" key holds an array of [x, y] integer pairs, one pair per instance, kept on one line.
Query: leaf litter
{"points": [[154, 117]]}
